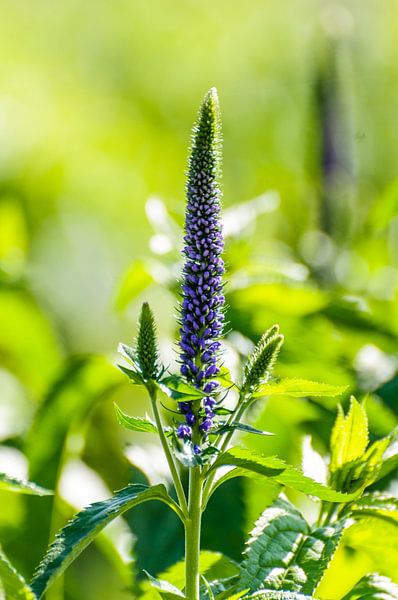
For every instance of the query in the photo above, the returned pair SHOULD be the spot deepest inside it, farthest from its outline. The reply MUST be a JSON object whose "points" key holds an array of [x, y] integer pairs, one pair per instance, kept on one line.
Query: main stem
{"points": [[192, 535]]}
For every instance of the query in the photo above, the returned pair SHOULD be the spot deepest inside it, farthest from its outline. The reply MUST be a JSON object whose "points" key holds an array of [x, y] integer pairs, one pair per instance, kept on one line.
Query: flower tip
{"points": [[211, 98]]}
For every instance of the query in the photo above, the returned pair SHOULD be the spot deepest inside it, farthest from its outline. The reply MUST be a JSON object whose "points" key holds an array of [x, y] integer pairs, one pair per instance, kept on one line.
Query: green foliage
{"points": [[145, 425], [350, 436], [298, 388], [277, 470], [22, 487], [176, 388], [373, 586], [81, 531], [165, 589], [283, 553], [13, 584]]}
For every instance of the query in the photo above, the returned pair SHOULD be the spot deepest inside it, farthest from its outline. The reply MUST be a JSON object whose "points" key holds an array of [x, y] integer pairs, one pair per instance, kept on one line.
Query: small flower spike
{"points": [[262, 359], [147, 354]]}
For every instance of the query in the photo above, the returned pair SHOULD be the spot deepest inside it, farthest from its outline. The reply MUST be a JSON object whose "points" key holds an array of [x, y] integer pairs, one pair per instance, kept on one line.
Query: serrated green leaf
{"points": [[165, 589], [175, 387], [14, 585], [277, 470], [298, 388], [284, 554], [376, 505], [86, 525], [11, 484], [373, 587], [141, 424], [350, 436]]}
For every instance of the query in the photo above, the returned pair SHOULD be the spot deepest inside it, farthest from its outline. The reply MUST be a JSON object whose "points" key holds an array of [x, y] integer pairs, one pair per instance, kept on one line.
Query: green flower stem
{"points": [[170, 460], [244, 403], [192, 535]]}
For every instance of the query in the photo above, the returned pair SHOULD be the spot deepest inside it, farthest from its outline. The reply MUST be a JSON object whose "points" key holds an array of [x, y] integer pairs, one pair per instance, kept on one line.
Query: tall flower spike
{"points": [[202, 289]]}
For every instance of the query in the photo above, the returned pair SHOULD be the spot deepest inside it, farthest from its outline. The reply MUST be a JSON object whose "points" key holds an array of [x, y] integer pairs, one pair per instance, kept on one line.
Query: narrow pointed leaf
{"points": [[298, 388], [135, 423], [280, 472], [14, 585], [375, 505], [86, 525], [272, 595], [284, 554], [374, 587], [164, 588], [134, 376], [174, 387], [12, 484], [241, 427]]}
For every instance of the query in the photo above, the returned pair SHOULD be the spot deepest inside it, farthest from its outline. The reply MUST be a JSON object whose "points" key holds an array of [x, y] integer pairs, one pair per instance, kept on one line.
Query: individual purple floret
{"points": [[202, 289]]}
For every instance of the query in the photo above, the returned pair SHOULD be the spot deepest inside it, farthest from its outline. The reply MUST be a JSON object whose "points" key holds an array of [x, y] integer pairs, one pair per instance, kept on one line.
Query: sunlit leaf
{"points": [[140, 424], [22, 487], [298, 388], [165, 589], [278, 471], [85, 526], [350, 435]]}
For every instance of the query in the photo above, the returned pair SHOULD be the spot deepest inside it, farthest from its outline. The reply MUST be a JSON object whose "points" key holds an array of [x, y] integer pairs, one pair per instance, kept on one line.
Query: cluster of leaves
{"points": [[285, 555]]}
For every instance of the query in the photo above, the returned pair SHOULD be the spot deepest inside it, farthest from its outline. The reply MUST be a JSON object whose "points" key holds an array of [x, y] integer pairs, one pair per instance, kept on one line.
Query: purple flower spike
{"points": [[202, 304]]}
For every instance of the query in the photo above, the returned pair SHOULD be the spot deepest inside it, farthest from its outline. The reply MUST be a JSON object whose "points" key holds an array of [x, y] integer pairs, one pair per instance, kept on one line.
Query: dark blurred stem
{"points": [[192, 535], [169, 457]]}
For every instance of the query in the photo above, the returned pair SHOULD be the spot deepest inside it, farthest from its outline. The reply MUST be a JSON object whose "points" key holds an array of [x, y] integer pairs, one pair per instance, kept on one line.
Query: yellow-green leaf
{"points": [[350, 435]]}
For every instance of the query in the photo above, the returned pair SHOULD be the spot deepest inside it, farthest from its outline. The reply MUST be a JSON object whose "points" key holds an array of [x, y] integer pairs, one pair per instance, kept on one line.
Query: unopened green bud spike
{"points": [[147, 353], [262, 359]]}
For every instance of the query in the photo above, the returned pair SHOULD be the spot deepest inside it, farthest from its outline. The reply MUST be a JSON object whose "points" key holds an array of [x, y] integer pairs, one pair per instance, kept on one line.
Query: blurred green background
{"points": [[96, 104]]}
